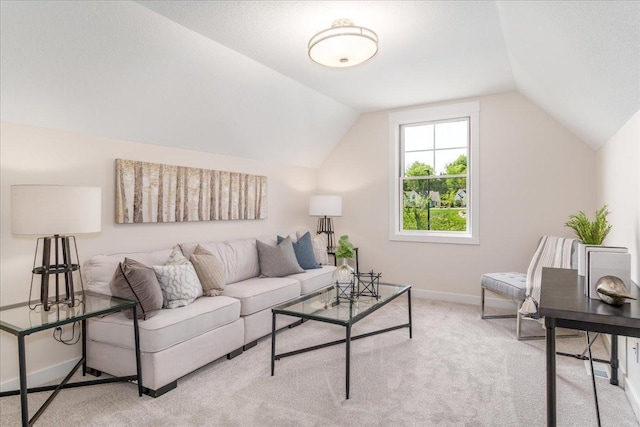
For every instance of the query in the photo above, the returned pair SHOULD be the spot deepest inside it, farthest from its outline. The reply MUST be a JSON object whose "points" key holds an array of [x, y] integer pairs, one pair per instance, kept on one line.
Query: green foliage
{"points": [[345, 248], [419, 212], [438, 219], [590, 233]]}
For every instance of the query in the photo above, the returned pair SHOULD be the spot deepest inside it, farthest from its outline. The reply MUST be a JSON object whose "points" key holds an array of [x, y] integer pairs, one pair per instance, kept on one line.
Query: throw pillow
{"points": [[177, 257], [319, 243], [277, 261], [135, 281], [179, 284], [210, 271], [303, 249]]}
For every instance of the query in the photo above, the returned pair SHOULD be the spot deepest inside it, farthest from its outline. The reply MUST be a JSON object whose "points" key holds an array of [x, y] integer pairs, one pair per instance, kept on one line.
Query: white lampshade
{"points": [[55, 209], [343, 45], [325, 206]]}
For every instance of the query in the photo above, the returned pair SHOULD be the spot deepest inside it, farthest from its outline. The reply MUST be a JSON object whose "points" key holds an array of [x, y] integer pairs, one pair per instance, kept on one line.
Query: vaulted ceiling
{"points": [[233, 77]]}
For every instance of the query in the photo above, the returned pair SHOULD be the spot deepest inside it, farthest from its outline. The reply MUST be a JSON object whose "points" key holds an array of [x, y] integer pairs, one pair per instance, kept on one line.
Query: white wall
{"points": [[619, 187], [533, 174], [31, 155]]}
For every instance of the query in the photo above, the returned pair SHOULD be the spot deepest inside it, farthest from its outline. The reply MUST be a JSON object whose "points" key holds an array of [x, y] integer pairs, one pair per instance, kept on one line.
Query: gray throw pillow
{"points": [[303, 249], [277, 261], [135, 281], [210, 271]]}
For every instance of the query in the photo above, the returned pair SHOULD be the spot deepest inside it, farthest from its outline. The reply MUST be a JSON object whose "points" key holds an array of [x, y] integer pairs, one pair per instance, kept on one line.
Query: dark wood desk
{"points": [[564, 305]]}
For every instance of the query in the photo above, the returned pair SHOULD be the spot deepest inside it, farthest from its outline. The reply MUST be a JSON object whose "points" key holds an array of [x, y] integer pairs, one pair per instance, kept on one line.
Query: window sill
{"points": [[435, 237]]}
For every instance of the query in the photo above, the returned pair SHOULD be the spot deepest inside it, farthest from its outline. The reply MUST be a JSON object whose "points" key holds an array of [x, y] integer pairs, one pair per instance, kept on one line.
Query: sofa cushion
{"points": [[259, 293], [98, 270], [313, 280], [512, 285], [168, 327], [303, 248], [210, 271], [279, 260], [179, 283], [133, 280], [239, 257]]}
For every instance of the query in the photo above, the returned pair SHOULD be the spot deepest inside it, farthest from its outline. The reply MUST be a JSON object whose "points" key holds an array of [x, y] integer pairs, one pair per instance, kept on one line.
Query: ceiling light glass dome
{"points": [[343, 45]]}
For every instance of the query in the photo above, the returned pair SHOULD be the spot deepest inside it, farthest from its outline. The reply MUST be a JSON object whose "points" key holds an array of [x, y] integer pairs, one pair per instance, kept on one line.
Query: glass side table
{"points": [[20, 320]]}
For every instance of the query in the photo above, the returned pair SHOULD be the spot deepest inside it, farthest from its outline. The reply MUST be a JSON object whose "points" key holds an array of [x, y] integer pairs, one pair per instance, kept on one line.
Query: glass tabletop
{"points": [[20, 319], [325, 306]]}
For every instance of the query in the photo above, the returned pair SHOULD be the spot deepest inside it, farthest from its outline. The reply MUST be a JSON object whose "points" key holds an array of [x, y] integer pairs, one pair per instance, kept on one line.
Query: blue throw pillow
{"points": [[303, 249]]}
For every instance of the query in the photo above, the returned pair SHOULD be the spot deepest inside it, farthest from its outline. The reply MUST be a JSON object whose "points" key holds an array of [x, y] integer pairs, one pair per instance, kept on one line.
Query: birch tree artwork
{"points": [[153, 192]]}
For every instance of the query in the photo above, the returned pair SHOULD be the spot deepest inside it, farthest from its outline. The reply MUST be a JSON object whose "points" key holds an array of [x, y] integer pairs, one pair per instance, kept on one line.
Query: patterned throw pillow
{"points": [[210, 271], [177, 257], [277, 261], [179, 283], [133, 280], [178, 280], [304, 251]]}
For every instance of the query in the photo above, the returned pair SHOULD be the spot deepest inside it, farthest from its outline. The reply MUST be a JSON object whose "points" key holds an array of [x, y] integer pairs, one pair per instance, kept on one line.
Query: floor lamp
{"points": [[55, 211], [326, 207]]}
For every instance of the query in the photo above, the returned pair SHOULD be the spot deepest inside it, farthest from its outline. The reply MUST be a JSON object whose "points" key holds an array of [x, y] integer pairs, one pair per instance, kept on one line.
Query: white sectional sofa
{"points": [[177, 341]]}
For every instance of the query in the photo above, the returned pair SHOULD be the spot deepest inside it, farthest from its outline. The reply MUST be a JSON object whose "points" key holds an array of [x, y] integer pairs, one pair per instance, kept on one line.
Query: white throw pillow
{"points": [[179, 284]]}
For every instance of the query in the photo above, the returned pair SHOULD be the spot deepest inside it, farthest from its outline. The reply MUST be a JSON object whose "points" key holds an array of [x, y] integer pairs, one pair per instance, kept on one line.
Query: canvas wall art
{"points": [[153, 192]]}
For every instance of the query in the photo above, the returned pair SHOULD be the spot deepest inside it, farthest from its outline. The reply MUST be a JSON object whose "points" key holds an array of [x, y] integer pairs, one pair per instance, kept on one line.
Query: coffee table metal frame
{"points": [[346, 323], [89, 304]]}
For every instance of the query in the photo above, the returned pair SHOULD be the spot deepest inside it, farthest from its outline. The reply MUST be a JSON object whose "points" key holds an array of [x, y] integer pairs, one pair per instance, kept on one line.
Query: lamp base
{"points": [[62, 265], [325, 225]]}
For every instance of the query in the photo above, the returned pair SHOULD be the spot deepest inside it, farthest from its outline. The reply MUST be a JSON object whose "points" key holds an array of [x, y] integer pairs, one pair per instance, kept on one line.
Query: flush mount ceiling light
{"points": [[343, 45]]}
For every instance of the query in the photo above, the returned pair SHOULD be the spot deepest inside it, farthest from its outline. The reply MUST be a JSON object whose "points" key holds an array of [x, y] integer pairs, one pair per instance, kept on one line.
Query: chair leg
{"points": [[482, 302], [519, 321]]}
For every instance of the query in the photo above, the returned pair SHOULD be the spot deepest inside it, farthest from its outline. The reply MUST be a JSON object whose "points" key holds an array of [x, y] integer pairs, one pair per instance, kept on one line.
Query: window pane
{"points": [[452, 157], [418, 137], [423, 157], [435, 204], [452, 134]]}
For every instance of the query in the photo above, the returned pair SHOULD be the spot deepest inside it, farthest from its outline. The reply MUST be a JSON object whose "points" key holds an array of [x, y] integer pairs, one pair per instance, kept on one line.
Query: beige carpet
{"points": [[458, 370]]}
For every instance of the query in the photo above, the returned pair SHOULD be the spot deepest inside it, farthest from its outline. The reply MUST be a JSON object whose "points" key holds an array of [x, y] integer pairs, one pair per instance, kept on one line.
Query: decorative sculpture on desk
{"points": [[612, 290]]}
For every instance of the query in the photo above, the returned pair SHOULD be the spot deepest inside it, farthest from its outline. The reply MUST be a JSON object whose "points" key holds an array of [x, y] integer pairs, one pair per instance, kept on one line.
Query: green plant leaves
{"points": [[590, 233], [345, 248]]}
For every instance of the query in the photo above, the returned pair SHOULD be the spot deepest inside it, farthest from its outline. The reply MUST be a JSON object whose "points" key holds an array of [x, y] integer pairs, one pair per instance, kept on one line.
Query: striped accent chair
{"points": [[512, 285]]}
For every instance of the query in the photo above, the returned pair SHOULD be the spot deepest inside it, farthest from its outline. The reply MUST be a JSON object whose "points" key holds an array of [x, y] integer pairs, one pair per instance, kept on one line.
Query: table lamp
{"points": [[325, 207], [55, 211]]}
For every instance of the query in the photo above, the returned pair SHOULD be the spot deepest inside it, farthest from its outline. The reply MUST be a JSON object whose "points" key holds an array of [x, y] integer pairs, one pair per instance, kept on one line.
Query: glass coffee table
{"points": [[324, 306]]}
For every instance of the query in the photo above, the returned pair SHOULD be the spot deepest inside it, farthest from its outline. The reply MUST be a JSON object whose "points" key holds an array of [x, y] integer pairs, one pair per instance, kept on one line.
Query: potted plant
{"points": [[345, 249], [590, 233], [343, 275]]}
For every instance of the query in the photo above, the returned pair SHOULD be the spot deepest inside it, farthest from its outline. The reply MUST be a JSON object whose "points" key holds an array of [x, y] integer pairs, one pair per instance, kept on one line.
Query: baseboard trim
{"points": [[41, 377], [464, 299], [633, 395]]}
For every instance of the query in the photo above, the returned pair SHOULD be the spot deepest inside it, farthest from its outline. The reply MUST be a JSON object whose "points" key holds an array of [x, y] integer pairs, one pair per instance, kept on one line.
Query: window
{"points": [[434, 174]]}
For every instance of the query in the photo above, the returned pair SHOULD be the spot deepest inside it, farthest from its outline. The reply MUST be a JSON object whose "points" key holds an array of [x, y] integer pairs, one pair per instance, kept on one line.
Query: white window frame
{"points": [[432, 114]]}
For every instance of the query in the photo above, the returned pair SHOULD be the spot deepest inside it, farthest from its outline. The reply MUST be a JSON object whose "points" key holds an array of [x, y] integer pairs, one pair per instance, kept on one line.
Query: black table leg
{"points": [[409, 301], [593, 380], [348, 342], [550, 324], [614, 360], [273, 344], [84, 347], [136, 335], [24, 406]]}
